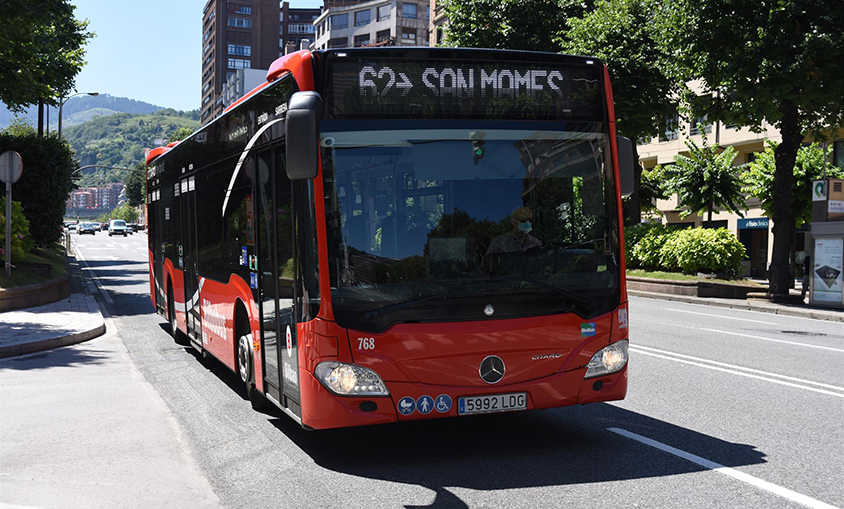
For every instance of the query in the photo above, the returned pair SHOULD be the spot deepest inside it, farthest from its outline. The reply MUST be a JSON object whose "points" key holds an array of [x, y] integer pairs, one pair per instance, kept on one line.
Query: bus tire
{"points": [[178, 336], [246, 371]]}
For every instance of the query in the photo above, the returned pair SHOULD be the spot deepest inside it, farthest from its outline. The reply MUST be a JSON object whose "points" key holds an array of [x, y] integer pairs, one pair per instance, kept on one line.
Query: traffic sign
{"points": [[11, 166]]}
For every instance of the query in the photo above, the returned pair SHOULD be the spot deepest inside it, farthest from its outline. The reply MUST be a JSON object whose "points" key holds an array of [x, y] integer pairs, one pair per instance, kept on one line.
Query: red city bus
{"points": [[387, 234]]}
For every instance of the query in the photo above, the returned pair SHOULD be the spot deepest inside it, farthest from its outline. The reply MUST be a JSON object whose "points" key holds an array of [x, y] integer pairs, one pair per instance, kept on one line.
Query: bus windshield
{"points": [[456, 224]]}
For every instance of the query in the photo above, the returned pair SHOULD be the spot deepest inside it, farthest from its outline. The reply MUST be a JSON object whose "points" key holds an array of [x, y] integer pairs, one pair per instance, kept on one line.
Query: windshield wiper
{"points": [[373, 314]]}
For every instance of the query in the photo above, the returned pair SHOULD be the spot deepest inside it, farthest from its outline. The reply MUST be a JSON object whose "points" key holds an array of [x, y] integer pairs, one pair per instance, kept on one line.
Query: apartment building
{"points": [[438, 22], [297, 27], [754, 230], [238, 34], [374, 23]]}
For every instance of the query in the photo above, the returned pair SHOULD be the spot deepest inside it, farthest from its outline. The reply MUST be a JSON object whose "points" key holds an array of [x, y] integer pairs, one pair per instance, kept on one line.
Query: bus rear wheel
{"points": [[246, 371], [178, 336]]}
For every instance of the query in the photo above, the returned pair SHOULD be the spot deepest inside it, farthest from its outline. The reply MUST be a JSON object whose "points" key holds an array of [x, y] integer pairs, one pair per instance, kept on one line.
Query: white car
{"points": [[117, 227]]}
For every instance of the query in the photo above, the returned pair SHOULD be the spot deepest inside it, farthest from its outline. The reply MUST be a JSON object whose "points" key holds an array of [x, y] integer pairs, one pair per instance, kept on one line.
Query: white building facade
{"points": [[376, 23]]}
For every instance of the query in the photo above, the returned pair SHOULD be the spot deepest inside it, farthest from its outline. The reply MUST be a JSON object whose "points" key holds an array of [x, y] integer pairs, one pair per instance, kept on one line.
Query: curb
{"points": [[815, 314], [48, 344]]}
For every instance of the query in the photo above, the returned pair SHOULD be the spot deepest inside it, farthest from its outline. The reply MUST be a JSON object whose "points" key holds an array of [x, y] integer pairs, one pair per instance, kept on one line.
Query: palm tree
{"points": [[706, 179]]}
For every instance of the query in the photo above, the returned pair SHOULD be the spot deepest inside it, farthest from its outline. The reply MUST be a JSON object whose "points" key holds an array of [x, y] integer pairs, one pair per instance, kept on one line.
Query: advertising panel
{"points": [[827, 269]]}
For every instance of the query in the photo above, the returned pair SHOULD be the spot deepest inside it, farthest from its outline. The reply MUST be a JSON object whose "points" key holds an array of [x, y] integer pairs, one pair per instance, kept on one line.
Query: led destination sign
{"points": [[394, 88]]}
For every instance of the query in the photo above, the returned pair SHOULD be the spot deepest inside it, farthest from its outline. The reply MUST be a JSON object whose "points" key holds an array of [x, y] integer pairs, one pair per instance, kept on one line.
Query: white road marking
{"points": [[740, 368], [737, 370], [766, 313], [730, 472], [720, 316], [776, 340]]}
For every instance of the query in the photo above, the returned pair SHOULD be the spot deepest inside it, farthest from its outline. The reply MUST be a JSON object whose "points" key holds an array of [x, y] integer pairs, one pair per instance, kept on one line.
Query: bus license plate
{"points": [[492, 403]]}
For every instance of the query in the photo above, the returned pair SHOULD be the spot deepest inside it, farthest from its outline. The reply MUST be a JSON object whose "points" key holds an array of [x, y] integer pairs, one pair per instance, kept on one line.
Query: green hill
{"points": [[120, 140]]}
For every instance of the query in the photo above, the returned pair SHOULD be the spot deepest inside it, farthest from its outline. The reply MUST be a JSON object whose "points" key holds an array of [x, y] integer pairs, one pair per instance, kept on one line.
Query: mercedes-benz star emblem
{"points": [[492, 369], [489, 310]]}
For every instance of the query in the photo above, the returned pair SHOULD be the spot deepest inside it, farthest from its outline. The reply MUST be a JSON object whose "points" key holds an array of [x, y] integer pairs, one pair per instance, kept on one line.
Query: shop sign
{"points": [[760, 223]]}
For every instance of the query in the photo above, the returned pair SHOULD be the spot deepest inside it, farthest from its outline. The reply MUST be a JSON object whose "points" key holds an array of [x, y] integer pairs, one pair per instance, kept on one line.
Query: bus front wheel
{"points": [[246, 371]]}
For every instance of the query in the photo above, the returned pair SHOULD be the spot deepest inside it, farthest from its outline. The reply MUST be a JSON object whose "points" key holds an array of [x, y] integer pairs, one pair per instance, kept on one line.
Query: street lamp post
{"points": [[61, 104]]}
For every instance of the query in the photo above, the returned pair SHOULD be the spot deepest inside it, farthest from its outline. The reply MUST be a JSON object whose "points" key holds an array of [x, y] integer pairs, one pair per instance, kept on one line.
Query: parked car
{"points": [[87, 228], [117, 227]]}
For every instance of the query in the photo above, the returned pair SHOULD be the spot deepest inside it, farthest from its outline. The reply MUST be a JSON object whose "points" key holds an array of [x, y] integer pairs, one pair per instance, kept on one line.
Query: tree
{"points": [[180, 134], [776, 62], [506, 24], [41, 51], [124, 212], [809, 166], [46, 181], [706, 179], [620, 33], [136, 185]]}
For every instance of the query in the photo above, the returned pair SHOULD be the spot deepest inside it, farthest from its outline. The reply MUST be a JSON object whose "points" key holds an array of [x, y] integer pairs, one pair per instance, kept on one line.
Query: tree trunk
{"points": [[635, 202], [780, 278]]}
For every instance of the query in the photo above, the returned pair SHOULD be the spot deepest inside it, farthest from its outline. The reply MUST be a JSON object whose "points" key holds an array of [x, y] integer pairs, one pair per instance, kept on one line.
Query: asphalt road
{"points": [[725, 408]]}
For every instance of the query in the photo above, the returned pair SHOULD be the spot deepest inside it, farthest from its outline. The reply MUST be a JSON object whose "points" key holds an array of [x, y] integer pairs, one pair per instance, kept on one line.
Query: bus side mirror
{"points": [[625, 164], [302, 126]]}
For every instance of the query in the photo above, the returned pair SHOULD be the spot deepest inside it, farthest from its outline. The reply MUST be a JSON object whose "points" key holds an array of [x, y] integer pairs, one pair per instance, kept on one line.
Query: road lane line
{"points": [[739, 310], [776, 340], [748, 375], [776, 489], [720, 316], [733, 366]]}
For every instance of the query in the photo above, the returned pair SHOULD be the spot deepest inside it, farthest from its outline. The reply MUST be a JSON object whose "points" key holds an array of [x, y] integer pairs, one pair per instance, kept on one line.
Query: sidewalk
{"points": [[797, 310], [65, 322]]}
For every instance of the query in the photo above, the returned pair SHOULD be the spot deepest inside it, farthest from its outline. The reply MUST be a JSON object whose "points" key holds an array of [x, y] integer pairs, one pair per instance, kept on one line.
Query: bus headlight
{"points": [[608, 360], [350, 380]]}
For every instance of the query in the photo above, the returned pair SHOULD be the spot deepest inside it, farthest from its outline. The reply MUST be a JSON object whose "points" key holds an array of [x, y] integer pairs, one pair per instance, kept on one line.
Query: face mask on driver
{"points": [[525, 226]]}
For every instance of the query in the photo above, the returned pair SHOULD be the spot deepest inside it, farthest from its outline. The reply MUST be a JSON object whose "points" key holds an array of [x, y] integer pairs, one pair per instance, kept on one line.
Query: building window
{"points": [[384, 12], [207, 35], [242, 51], [340, 21], [361, 18], [239, 63], [408, 10], [383, 35], [439, 35], [838, 153], [408, 35], [704, 124], [240, 22], [241, 9], [672, 129], [361, 40], [301, 28], [340, 42]]}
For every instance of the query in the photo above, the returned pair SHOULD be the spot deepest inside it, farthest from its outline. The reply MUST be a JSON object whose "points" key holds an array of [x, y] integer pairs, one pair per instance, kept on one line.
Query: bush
{"points": [[643, 242], [21, 241], [703, 250]]}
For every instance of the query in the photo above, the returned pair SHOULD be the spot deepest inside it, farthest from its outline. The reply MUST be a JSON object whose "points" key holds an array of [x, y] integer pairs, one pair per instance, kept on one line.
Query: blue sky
{"points": [[148, 50]]}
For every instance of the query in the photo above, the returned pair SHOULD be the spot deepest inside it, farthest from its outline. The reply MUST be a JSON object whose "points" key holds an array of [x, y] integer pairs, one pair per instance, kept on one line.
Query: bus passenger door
{"points": [[187, 257], [265, 205], [275, 258]]}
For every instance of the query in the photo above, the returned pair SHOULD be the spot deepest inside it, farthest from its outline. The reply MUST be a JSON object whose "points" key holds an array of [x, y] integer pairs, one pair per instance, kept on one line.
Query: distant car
{"points": [[87, 228], [133, 227], [104, 227], [71, 227], [117, 227], [97, 225]]}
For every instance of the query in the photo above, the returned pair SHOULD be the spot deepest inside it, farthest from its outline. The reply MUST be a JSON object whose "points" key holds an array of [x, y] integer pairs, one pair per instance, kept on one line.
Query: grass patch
{"points": [[32, 270], [678, 276]]}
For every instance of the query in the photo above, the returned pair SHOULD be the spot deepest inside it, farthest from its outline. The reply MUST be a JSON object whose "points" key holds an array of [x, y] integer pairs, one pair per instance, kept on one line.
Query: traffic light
{"points": [[478, 150]]}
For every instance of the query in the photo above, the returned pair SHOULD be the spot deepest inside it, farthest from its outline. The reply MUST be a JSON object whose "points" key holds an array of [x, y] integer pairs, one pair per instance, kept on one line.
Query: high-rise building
{"points": [[236, 35], [297, 26]]}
